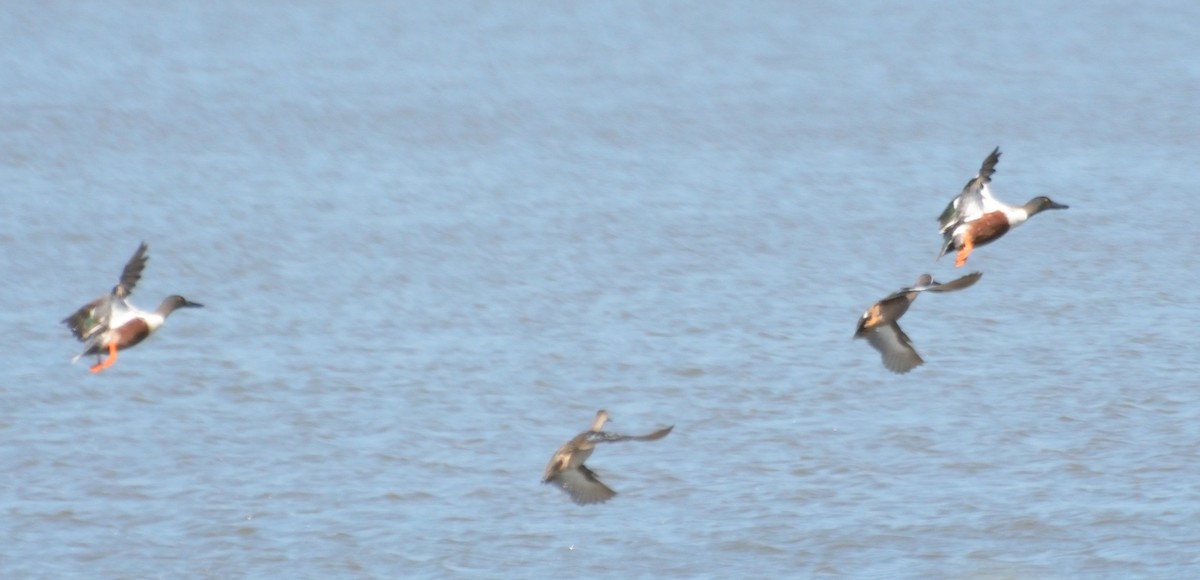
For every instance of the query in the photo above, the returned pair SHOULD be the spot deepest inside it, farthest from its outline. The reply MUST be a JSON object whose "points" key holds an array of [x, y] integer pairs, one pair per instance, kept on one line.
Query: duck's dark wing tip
{"points": [[606, 437], [655, 436], [992, 157], [957, 284], [132, 272]]}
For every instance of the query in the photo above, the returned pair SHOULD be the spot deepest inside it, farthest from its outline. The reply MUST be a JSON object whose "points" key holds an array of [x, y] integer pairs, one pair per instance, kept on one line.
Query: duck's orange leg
{"points": [[968, 241], [108, 362]]}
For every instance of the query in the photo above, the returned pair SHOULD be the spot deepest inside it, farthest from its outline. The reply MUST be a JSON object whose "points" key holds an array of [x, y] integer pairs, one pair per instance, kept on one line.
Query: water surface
{"points": [[433, 240]]}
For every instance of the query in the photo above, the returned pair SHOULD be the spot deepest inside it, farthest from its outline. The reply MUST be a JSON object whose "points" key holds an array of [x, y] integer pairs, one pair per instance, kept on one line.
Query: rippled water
{"points": [[433, 240]]}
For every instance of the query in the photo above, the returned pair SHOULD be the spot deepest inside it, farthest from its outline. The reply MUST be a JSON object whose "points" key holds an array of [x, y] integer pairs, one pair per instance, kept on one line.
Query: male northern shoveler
{"points": [[110, 323], [566, 468], [879, 323], [975, 218]]}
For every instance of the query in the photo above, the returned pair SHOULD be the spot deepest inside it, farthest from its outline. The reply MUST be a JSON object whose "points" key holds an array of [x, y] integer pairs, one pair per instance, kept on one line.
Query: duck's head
{"points": [[601, 418], [1042, 203], [174, 302]]}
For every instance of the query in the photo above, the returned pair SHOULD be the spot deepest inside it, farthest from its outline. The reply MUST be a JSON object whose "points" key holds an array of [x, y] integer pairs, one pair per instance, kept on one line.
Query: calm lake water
{"points": [[434, 238]]}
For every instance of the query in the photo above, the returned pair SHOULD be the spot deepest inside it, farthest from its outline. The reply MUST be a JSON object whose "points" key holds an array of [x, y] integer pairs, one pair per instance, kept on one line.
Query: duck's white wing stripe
{"points": [[974, 201]]}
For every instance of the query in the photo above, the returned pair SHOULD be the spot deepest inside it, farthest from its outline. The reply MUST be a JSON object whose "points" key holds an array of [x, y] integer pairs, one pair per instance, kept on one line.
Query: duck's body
{"points": [[567, 471], [110, 323], [879, 324], [975, 218]]}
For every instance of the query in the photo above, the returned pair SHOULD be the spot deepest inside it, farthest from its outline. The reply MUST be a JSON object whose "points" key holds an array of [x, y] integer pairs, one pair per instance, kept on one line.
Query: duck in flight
{"points": [[567, 471], [110, 323], [975, 218], [879, 324]]}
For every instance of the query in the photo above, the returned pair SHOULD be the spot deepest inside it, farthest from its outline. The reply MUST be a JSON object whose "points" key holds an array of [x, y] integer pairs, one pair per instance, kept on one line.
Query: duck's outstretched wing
{"points": [[94, 316], [974, 200], [604, 437], [897, 350], [88, 321], [582, 485], [132, 272], [954, 285]]}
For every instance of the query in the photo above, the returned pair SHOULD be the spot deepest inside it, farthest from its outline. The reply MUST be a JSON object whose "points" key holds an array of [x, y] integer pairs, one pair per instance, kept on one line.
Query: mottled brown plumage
{"points": [[567, 471], [879, 324]]}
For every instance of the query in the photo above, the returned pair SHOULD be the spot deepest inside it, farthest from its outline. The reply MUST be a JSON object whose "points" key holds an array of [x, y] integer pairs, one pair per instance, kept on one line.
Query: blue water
{"points": [[433, 239]]}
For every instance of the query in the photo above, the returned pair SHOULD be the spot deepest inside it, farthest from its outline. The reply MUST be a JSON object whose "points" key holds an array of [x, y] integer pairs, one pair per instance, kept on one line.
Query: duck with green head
{"points": [[975, 217], [110, 323]]}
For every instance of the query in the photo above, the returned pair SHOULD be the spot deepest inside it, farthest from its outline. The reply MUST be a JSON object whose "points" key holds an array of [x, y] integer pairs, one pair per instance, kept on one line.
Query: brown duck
{"points": [[879, 323], [567, 471]]}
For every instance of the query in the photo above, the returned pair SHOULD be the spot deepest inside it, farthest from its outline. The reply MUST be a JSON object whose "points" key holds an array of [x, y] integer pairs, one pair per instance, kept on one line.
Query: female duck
{"points": [[567, 471], [879, 324]]}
